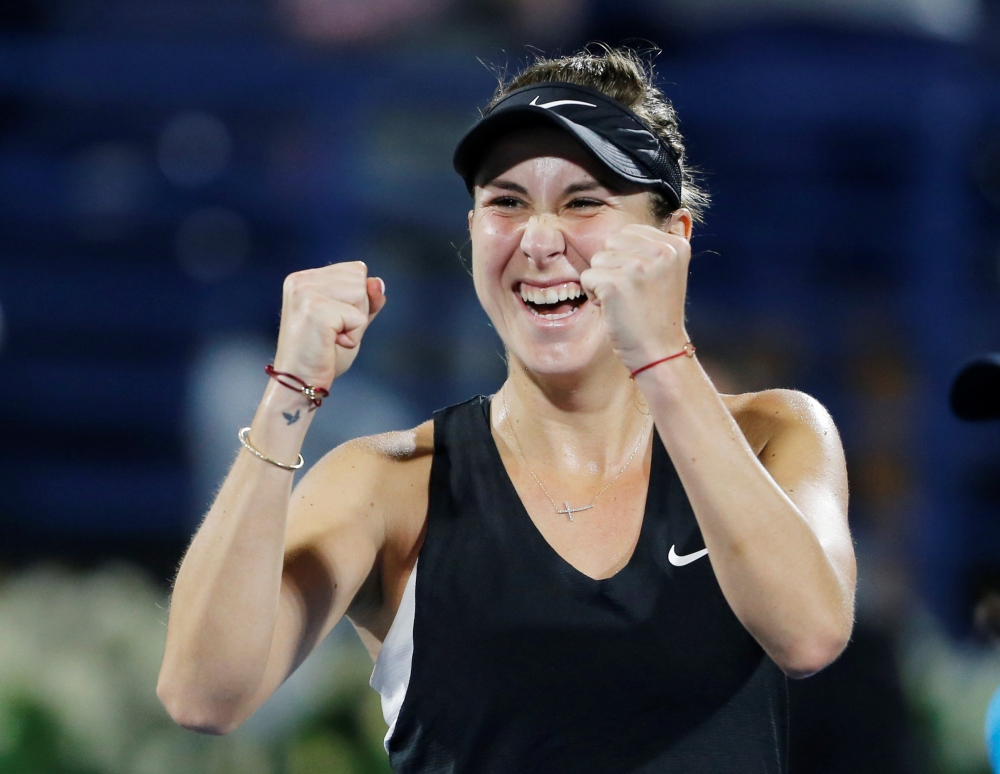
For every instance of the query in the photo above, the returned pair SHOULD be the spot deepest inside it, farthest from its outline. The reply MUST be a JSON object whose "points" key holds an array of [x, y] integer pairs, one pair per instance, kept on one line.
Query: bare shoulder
{"points": [[379, 481], [355, 523], [778, 416], [795, 439]]}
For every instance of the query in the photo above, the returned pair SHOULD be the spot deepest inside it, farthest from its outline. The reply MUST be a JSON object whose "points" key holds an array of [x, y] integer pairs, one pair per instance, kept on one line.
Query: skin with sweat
{"points": [[583, 286]]}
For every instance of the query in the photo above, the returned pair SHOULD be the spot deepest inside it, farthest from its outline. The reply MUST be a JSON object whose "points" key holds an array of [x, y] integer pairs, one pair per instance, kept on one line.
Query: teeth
{"points": [[567, 291], [554, 316]]}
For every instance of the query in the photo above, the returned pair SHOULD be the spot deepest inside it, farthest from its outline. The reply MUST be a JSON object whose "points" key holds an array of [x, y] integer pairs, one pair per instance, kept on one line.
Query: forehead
{"points": [[541, 143]]}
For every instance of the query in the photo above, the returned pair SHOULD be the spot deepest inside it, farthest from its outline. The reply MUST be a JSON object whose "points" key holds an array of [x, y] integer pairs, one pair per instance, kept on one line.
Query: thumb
{"points": [[376, 296], [589, 279], [355, 322]]}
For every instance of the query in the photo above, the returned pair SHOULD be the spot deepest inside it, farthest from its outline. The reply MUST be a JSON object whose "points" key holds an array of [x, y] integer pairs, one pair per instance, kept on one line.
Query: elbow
{"points": [[194, 713], [813, 654]]}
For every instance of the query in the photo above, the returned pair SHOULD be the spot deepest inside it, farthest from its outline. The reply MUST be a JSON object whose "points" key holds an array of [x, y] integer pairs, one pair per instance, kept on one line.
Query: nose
{"points": [[542, 240]]}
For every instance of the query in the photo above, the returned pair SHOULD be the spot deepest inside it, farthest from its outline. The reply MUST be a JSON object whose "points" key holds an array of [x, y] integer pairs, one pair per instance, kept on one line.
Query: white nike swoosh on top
{"points": [[680, 561], [558, 102]]}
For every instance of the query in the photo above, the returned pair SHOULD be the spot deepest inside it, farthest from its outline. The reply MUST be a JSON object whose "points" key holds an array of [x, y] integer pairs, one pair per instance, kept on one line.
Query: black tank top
{"points": [[521, 663]]}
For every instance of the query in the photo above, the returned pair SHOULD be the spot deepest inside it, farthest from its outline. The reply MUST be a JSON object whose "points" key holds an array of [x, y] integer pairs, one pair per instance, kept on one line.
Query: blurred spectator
{"points": [[543, 23], [356, 21]]}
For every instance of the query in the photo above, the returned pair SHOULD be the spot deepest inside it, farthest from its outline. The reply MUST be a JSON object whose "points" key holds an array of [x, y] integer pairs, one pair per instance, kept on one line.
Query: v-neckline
{"points": [[540, 539]]}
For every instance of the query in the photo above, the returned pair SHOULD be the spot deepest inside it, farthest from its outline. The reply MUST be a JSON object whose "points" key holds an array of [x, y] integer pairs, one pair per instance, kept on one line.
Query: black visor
{"points": [[612, 133]]}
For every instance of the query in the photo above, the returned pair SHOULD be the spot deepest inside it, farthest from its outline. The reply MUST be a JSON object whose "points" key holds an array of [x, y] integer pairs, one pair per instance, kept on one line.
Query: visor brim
{"points": [[476, 143]]}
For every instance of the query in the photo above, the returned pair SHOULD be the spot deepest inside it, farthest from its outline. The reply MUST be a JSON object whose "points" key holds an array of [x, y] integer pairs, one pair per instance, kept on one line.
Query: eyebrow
{"points": [[581, 187], [507, 185], [510, 185]]}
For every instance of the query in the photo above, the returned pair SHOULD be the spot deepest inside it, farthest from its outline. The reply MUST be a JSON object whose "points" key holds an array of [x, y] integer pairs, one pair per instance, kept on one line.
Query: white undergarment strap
{"points": [[391, 675]]}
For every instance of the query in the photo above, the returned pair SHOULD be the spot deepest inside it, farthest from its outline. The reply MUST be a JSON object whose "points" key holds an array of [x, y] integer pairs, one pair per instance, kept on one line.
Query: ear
{"points": [[681, 223], [470, 219]]}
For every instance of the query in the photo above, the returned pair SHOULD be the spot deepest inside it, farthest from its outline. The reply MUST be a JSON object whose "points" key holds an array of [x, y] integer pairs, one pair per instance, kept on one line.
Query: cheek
{"points": [[494, 242], [590, 236], [480, 279], [493, 232], [489, 260]]}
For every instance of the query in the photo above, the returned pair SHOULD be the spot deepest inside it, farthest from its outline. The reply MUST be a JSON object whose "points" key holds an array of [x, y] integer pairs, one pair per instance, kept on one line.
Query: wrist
{"points": [[277, 397], [311, 392], [656, 344], [651, 359], [668, 383], [283, 410], [280, 423]]}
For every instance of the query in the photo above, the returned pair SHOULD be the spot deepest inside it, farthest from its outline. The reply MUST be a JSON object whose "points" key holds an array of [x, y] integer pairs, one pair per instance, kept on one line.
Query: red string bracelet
{"points": [[314, 395], [688, 350]]}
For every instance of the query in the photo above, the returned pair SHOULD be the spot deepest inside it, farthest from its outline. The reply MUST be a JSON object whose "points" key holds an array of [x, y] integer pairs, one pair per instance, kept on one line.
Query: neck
{"points": [[580, 424]]}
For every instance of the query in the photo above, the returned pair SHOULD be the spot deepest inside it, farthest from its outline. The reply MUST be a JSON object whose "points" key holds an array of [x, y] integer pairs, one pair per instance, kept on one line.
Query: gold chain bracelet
{"points": [[242, 435]]}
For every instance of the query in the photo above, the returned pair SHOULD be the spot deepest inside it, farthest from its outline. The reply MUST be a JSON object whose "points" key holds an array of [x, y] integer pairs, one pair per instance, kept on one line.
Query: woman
{"points": [[618, 566]]}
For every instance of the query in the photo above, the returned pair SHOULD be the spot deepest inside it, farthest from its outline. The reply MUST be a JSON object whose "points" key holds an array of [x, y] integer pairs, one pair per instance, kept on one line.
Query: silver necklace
{"points": [[566, 509]]}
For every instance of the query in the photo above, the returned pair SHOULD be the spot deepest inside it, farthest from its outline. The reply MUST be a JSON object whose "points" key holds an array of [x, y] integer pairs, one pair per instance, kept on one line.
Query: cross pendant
{"points": [[570, 511]]}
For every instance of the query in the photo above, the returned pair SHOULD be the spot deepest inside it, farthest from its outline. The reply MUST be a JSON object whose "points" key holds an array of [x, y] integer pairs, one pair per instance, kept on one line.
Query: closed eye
{"points": [[584, 203], [504, 201]]}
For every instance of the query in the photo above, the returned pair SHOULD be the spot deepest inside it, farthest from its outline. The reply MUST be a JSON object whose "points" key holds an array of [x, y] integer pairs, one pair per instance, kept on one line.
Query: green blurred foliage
{"points": [[344, 737], [79, 657], [32, 741]]}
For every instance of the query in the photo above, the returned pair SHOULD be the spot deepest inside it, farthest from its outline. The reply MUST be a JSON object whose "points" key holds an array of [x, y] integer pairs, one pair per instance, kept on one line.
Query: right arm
{"points": [[243, 613]]}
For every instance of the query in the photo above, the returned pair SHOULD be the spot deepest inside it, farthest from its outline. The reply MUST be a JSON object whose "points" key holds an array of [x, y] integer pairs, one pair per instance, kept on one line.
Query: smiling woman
{"points": [[606, 567], [544, 208]]}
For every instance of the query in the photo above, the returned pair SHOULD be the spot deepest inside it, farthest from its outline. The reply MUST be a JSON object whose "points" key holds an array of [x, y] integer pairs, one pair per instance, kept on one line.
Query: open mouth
{"points": [[554, 302]]}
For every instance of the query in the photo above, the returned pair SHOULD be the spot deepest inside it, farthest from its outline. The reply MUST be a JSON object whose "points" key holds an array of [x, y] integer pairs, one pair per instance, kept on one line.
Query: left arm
{"points": [[774, 523], [774, 518]]}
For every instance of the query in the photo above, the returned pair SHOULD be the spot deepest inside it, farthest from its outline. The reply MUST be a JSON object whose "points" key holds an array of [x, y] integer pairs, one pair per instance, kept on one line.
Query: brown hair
{"points": [[626, 76]]}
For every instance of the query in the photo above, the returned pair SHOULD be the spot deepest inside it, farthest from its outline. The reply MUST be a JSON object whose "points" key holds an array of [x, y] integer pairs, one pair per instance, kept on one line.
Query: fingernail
{"points": [[382, 283]]}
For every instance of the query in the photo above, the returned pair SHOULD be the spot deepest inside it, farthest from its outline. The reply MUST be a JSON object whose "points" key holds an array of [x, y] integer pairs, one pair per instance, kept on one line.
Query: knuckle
{"points": [[292, 283], [352, 269], [314, 305], [665, 251], [342, 269]]}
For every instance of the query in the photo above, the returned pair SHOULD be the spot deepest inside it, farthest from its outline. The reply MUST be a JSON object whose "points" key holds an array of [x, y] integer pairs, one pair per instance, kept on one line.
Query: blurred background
{"points": [[165, 163]]}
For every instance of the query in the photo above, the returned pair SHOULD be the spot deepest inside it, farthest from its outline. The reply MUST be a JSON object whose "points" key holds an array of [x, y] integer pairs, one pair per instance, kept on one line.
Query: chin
{"points": [[562, 359]]}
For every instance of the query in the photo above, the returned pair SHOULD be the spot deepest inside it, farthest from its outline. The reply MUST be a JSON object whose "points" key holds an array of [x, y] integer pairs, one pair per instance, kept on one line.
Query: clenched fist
{"points": [[324, 314], [640, 282]]}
